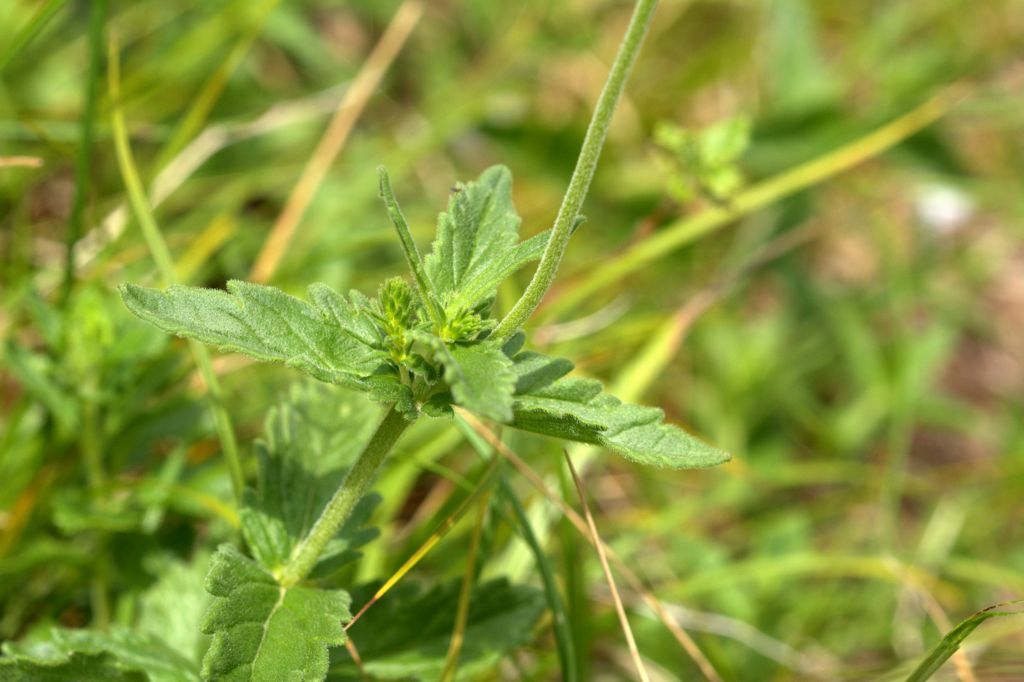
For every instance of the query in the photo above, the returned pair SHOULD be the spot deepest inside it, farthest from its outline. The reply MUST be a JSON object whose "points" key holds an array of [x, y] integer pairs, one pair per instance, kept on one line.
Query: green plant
{"points": [[418, 349], [703, 163]]}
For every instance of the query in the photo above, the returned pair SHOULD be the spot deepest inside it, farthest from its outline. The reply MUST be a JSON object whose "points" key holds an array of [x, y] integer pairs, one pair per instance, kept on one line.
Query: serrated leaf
{"points": [[534, 371], [311, 441], [330, 343], [579, 410], [347, 313], [118, 654], [481, 379], [263, 632], [406, 635], [477, 243]]}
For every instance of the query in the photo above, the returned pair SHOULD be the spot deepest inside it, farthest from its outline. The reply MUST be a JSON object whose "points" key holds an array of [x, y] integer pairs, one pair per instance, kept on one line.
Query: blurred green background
{"points": [[853, 333]]}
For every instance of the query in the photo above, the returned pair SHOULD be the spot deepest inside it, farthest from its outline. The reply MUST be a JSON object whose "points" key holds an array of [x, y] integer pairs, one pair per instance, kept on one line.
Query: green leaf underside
{"points": [[577, 409], [481, 379], [477, 245], [407, 634], [263, 632], [119, 654], [330, 341], [311, 440]]}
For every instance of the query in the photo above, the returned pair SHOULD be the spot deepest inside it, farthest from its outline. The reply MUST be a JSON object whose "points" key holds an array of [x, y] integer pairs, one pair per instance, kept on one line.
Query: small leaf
{"points": [[311, 440], [724, 141], [406, 635], [577, 409], [481, 379], [263, 632], [387, 388], [331, 343], [477, 243]]}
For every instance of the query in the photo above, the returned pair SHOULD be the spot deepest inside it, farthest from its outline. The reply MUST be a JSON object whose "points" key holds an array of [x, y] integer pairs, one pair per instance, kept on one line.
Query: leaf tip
{"points": [[383, 182], [131, 296]]}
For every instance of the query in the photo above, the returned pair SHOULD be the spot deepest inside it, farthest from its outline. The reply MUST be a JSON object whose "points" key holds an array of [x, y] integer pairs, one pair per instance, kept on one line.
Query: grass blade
{"points": [[949, 644], [34, 26], [449, 523], [213, 87], [165, 265], [627, 631], [451, 663], [83, 158], [334, 138], [559, 615], [635, 583]]}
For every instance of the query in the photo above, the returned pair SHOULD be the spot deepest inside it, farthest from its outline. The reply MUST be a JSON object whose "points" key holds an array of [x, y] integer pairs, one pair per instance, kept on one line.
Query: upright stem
{"points": [[340, 506], [629, 48]]}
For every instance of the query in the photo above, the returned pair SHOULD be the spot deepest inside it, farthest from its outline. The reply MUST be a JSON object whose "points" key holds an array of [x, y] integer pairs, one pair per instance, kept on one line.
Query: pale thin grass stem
{"points": [[635, 582], [334, 138], [961, 663], [451, 663], [165, 265], [354, 653], [446, 525], [627, 631], [20, 162]]}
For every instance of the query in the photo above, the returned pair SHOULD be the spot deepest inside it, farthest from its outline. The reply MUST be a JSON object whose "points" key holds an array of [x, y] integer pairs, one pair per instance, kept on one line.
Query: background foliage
{"points": [[856, 344]]}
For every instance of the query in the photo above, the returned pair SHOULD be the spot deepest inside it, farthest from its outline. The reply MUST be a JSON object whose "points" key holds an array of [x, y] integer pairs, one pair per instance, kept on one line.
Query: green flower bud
{"points": [[397, 303], [462, 325]]}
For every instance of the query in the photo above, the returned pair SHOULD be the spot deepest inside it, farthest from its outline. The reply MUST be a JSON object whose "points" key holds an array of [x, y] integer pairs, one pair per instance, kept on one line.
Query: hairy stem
{"points": [[543, 278], [340, 506]]}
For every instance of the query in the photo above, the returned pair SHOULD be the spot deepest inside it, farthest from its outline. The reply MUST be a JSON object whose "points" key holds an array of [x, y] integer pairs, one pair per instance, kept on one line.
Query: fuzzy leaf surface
{"points": [[406, 636], [329, 341], [311, 440], [263, 632], [481, 379], [578, 409], [477, 244]]}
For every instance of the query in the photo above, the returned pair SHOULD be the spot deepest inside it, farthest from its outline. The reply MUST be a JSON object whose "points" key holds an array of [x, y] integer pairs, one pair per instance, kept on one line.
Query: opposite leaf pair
{"points": [[429, 348]]}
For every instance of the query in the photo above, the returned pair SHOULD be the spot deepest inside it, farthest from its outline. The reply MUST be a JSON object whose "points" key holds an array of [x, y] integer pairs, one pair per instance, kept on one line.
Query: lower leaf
{"points": [[84, 655], [265, 632], [577, 409]]}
